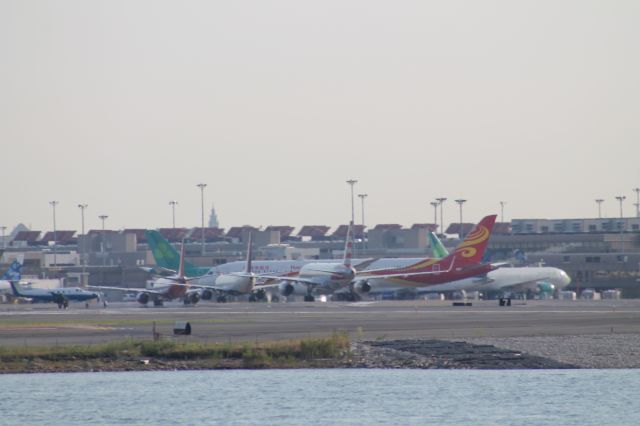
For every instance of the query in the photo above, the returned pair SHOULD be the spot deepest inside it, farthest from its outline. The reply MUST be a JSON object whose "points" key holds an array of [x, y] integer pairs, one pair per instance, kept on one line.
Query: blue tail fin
{"points": [[14, 273]]}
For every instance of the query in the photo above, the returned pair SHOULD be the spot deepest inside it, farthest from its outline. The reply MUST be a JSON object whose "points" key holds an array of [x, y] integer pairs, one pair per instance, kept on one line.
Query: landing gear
{"points": [[309, 298], [253, 298], [352, 297], [275, 299], [158, 302], [221, 299]]}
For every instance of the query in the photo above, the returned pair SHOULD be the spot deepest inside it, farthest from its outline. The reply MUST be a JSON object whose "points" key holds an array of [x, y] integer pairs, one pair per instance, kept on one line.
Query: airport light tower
{"points": [[173, 203], [637, 203], [352, 182], [502, 203], [53, 205], [460, 202], [83, 259], [103, 217], [202, 186], [441, 201], [362, 197], [599, 201]]}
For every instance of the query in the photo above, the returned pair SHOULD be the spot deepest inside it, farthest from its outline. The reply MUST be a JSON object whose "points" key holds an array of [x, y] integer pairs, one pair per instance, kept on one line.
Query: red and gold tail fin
{"points": [[472, 248]]}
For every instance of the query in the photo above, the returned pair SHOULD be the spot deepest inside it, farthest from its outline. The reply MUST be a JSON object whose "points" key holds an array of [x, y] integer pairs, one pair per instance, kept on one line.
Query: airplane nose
{"points": [[565, 279]]}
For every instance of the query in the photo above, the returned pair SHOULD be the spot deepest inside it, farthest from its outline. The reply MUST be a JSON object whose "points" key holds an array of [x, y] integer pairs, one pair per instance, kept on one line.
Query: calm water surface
{"points": [[324, 397]]}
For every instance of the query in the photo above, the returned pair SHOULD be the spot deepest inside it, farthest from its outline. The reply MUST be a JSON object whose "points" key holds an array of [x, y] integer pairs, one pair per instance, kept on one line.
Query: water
{"points": [[324, 397]]}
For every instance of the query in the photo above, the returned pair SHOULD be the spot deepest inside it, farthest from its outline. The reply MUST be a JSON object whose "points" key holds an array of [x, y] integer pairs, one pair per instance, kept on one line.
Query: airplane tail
{"points": [[437, 248], [472, 248], [165, 255], [348, 246], [14, 273], [15, 289], [181, 266], [247, 267]]}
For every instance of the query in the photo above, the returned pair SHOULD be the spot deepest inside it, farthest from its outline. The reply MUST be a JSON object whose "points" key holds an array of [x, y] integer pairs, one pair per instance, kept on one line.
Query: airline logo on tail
{"points": [[475, 243], [14, 273]]}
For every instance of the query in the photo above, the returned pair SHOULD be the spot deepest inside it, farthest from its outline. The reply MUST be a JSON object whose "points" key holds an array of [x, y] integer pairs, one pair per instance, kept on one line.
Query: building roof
{"points": [[210, 234], [341, 231], [313, 231], [140, 236], [285, 231], [430, 227], [174, 235], [28, 236], [236, 231], [387, 226], [99, 231], [454, 228], [62, 237]]}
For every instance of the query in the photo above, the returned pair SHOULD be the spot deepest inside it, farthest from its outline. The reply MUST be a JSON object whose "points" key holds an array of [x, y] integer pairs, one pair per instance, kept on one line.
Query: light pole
{"points": [[353, 216], [362, 197], [434, 204], [173, 203], [202, 186], [4, 243], [103, 217], [54, 204], [460, 202], [599, 201], [82, 254], [637, 203], [502, 203], [441, 201], [621, 198]]}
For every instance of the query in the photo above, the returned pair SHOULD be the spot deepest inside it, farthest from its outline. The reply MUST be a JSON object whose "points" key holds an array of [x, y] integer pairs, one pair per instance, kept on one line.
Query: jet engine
{"points": [[361, 286], [285, 288], [192, 298], [206, 294], [143, 298], [545, 287]]}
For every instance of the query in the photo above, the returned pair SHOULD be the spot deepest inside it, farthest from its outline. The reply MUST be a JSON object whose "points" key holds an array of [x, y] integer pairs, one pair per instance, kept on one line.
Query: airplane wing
{"points": [[126, 289], [289, 279], [406, 274]]}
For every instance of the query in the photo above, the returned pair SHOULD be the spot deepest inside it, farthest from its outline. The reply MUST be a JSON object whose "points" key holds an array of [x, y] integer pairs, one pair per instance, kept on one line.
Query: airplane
{"points": [[60, 296], [464, 262], [233, 283], [505, 279], [165, 288]]}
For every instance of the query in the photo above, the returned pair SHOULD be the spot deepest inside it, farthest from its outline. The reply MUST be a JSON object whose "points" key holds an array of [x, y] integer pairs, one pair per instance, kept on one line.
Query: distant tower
{"points": [[213, 218]]}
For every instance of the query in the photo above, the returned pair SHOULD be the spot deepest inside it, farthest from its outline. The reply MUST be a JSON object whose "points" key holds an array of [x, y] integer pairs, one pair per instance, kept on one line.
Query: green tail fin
{"points": [[166, 256], [437, 248]]}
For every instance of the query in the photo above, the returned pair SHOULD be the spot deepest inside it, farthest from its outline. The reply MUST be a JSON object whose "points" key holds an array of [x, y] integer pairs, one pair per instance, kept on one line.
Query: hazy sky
{"points": [[125, 105]]}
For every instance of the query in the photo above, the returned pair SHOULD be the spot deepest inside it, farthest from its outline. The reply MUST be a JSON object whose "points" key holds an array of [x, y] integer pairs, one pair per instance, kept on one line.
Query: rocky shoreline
{"points": [[541, 352]]}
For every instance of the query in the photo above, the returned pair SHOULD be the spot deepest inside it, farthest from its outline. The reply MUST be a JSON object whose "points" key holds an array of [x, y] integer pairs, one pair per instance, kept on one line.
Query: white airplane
{"points": [[166, 288], [232, 283], [326, 278], [520, 279]]}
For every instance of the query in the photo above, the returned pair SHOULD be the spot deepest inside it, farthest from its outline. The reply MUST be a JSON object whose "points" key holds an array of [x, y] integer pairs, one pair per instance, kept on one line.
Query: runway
{"points": [[35, 325]]}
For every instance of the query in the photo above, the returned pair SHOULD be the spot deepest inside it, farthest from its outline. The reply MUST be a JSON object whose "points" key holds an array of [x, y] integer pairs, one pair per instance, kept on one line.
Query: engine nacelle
{"points": [[362, 286], [286, 289], [192, 297], [143, 298], [206, 294], [545, 287]]}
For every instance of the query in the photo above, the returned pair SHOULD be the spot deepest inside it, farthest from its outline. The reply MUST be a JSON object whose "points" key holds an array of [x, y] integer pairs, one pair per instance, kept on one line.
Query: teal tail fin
{"points": [[438, 249], [166, 256]]}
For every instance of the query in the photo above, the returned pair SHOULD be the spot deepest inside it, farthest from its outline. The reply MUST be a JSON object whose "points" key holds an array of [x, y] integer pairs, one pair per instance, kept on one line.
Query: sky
{"points": [[126, 105]]}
